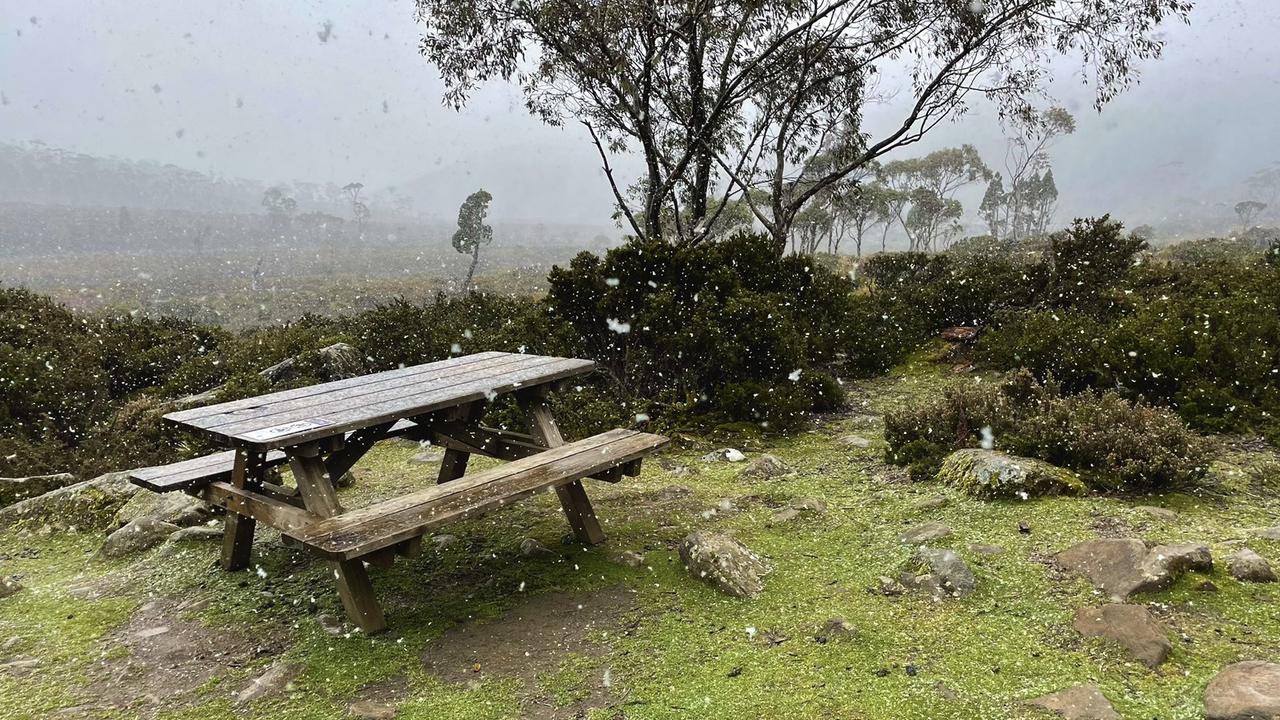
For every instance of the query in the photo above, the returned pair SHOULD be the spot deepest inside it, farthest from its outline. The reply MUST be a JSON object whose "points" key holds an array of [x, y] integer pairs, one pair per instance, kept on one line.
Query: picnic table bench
{"points": [[321, 431]]}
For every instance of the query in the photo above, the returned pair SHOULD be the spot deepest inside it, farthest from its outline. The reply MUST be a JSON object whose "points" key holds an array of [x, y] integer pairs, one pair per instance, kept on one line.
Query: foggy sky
{"points": [[334, 91]]}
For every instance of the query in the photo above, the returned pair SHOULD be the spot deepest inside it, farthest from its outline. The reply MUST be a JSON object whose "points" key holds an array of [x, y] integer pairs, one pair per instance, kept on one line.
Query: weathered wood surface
{"points": [[198, 472], [573, 497], [297, 416], [359, 532], [237, 529]]}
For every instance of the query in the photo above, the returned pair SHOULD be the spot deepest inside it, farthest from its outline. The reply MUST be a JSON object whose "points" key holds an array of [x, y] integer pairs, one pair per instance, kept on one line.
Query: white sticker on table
{"points": [[279, 431]]}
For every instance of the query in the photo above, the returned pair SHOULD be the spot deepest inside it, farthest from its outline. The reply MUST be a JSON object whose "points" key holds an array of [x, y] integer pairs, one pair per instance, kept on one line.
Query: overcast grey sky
{"points": [[336, 91]]}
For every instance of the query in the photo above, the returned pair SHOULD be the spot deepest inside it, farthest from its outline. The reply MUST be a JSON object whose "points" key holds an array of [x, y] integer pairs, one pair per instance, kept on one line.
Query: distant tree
{"points": [[472, 231], [726, 98], [994, 208], [928, 185], [1146, 232], [1030, 201], [280, 208], [1247, 210], [359, 211]]}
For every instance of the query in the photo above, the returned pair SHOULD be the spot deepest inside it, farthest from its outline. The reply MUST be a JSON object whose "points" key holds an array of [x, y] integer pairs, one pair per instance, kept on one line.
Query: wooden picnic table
{"points": [[321, 431]]}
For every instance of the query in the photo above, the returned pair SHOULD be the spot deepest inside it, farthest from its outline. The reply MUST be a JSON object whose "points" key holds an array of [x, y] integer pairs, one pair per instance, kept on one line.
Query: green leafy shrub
{"points": [[1086, 261], [1114, 444], [726, 331]]}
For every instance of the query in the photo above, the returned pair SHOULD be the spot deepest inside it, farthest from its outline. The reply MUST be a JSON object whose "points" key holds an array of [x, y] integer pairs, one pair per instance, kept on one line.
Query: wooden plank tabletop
{"points": [[301, 415]]}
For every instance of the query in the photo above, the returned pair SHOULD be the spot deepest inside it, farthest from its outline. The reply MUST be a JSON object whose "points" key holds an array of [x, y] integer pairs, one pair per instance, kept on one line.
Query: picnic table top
{"points": [[292, 417]]}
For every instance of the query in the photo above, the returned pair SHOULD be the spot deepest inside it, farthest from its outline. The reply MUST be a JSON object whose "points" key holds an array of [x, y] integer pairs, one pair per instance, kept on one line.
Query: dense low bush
{"points": [[1114, 444], [729, 331]]}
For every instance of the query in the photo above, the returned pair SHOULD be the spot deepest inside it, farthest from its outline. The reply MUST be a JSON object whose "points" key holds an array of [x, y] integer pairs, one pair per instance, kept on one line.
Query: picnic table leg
{"points": [[573, 497], [454, 463], [354, 587], [237, 529]]}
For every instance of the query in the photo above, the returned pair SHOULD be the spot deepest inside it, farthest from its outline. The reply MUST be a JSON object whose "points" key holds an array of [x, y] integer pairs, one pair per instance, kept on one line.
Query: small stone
{"points": [[855, 441], [139, 535], [1248, 690], [1078, 702], [837, 627], [1111, 564], [1248, 566], [1160, 513], [724, 563], [632, 559], [948, 575], [725, 505], [9, 586], [983, 549], [1132, 626], [926, 533], [532, 548], [1024, 527], [784, 516], [724, 455], [764, 467], [369, 710], [274, 680], [888, 587], [931, 503], [348, 479], [1206, 586], [809, 504]]}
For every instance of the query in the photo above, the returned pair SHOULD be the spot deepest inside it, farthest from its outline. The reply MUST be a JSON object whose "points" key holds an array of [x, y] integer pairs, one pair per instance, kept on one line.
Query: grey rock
{"points": [[889, 587], [275, 680], [13, 490], [724, 563], [8, 586], [631, 559], [330, 624], [764, 467], [1268, 533], [1248, 690], [784, 515], [1123, 566], [532, 548], [855, 441], [370, 710], [1159, 513], [199, 533], [931, 503], [1248, 566], [86, 505], [138, 535], [428, 456], [336, 362], [1131, 626], [1078, 702], [349, 478], [992, 474], [809, 504], [946, 575], [177, 508], [984, 549], [724, 455], [926, 533], [837, 627], [444, 541]]}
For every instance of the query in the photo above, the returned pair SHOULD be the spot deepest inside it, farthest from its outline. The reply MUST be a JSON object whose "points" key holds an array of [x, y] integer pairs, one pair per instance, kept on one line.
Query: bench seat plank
{"points": [[359, 532], [201, 471]]}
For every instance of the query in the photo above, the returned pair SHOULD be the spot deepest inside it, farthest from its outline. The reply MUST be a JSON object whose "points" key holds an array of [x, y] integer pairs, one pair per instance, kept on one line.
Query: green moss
{"points": [[986, 474]]}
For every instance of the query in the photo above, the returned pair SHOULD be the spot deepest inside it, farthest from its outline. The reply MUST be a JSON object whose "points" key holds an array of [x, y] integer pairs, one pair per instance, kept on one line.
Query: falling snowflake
{"points": [[988, 438], [622, 328], [794, 376]]}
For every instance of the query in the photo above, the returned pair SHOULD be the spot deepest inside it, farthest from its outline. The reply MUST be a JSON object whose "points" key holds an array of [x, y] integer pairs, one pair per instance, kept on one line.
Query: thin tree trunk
{"points": [[475, 260]]}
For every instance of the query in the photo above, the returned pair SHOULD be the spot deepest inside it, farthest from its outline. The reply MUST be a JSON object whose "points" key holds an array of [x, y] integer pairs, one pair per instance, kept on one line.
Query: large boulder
{"points": [[992, 474], [724, 563], [1124, 566], [91, 504], [13, 490], [1248, 690], [9, 586], [138, 535], [177, 508], [1131, 626], [938, 572], [1078, 702]]}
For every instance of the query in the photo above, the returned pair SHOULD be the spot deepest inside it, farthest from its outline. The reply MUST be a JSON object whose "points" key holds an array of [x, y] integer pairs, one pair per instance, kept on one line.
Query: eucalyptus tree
{"points": [[721, 98], [473, 232]]}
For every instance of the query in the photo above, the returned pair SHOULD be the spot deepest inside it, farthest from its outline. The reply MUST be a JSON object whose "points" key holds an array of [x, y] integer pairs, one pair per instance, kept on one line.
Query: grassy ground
{"points": [[480, 631]]}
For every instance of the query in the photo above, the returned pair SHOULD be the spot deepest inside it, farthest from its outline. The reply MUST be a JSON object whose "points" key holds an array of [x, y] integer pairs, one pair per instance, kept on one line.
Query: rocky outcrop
{"points": [[176, 508], [89, 504], [1078, 702], [991, 474], [1121, 567], [724, 563], [14, 490], [141, 534], [1130, 626], [1247, 690]]}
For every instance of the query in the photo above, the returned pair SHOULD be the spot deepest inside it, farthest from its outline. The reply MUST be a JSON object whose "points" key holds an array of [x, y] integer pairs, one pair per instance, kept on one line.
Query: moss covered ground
{"points": [[661, 644]]}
